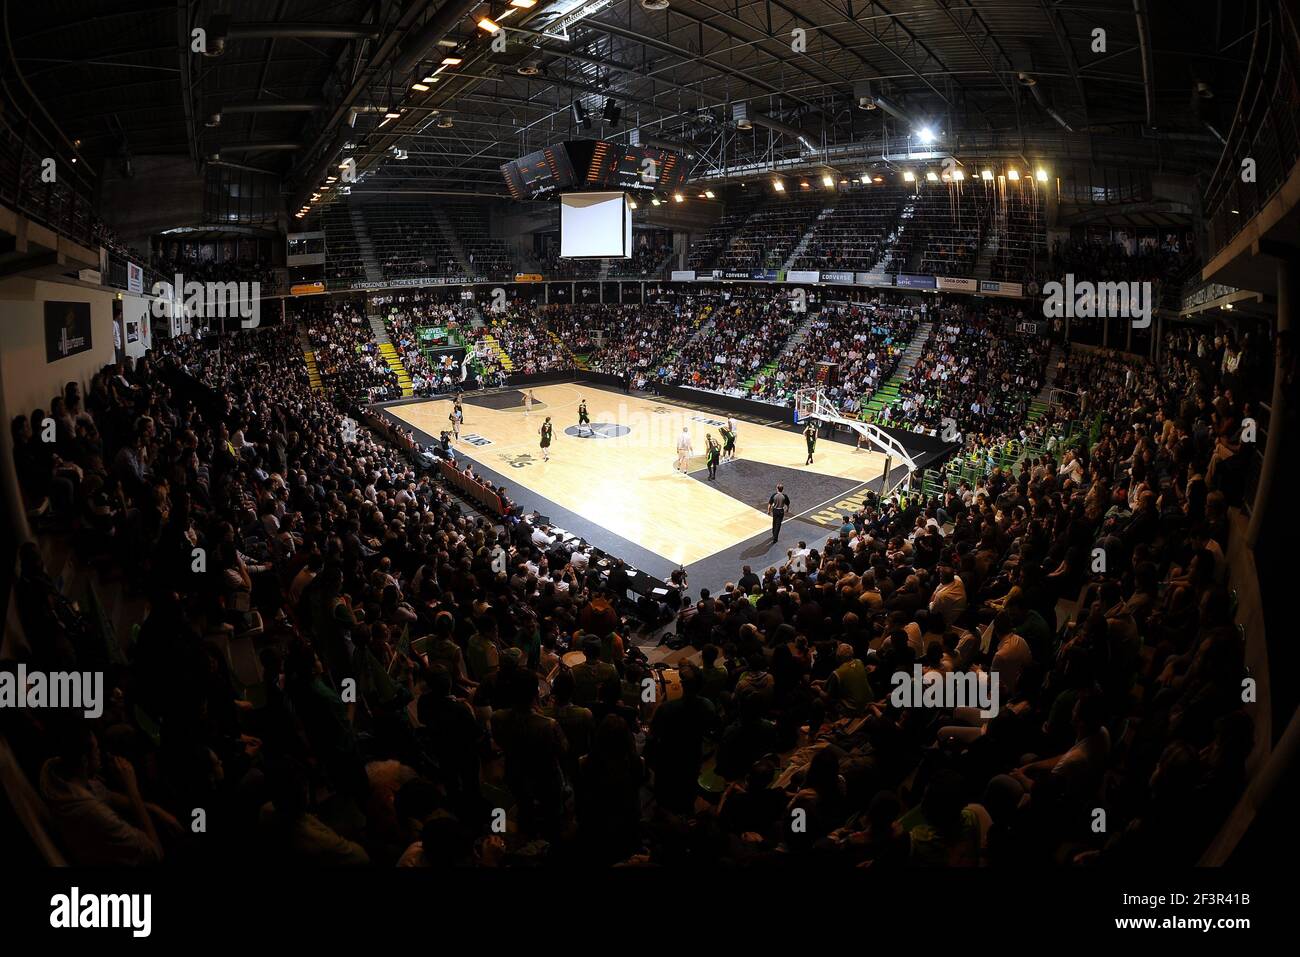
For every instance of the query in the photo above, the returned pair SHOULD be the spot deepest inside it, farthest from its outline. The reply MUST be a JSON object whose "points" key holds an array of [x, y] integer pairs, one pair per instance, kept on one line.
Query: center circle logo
{"points": [[597, 430]]}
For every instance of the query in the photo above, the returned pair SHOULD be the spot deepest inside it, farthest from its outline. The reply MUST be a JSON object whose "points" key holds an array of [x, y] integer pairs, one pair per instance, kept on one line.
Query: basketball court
{"points": [[619, 475]]}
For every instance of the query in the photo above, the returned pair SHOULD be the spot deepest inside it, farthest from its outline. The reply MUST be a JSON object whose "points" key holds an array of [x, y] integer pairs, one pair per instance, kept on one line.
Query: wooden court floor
{"points": [[625, 480]]}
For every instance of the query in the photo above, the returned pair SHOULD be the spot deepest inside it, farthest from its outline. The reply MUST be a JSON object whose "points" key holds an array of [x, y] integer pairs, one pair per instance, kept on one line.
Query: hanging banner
{"points": [[958, 284], [802, 275], [683, 275], [134, 278], [840, 278], [914, 282], [873, 279]]}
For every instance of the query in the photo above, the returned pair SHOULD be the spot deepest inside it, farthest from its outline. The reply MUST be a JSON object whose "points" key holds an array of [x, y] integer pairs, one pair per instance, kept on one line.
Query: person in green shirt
{"points": [[848, 685]]}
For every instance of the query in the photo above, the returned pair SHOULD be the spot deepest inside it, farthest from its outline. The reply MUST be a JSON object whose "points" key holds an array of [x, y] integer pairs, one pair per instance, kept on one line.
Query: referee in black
{"points": [[776, 506]]}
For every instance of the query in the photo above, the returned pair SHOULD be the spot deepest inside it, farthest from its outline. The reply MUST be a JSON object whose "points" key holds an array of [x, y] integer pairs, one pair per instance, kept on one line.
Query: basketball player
{"points": [[454, 419], [545, 433], [777, 503], [728, 441], [735, 433], [810, 436], [528, 402], [583, 418], [458, 408], [711, 454], [684, 450]]}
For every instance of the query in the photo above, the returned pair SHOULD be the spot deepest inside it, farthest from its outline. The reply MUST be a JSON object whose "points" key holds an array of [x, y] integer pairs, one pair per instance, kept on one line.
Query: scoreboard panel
{"points": [[593, 164]]}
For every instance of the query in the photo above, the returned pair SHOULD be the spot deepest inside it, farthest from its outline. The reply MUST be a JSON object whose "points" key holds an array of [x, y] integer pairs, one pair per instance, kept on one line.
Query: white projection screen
{"points": [[595, 226]]}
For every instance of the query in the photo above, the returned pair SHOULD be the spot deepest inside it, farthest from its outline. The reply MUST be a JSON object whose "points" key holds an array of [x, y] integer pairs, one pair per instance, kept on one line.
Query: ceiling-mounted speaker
{"points": [[580, 115], [613, 113]]}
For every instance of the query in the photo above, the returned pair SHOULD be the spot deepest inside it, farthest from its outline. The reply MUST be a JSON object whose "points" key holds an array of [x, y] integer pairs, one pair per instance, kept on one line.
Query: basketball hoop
{"points": [[814, 403]]}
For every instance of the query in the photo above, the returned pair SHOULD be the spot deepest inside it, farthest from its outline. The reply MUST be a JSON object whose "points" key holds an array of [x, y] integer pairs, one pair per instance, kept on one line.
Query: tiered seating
{"points": [[865, 340], [747, 333], [408, 242], [853, 235], [344, 350], [625, 340], [704, 251], [405, 314], [368, 587], [769, 235], [488, 258], [975, 370], [343, 260], [947, 228], [523, 338], [1022, 234], [648, 257]]}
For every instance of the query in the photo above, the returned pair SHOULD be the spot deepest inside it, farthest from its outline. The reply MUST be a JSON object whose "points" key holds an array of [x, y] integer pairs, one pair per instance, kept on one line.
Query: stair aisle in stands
{"points": [[887, 394], [365, 247], [388, 352], [309, 357]]}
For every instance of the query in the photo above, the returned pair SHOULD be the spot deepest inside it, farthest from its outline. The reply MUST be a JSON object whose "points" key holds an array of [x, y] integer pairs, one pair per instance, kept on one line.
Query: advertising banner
{"points": [[958, 284], [914, 282], [67, 329], [683, 275], [841, 278], [995, 288], [802, 275], [873, 279], [134, 278]]}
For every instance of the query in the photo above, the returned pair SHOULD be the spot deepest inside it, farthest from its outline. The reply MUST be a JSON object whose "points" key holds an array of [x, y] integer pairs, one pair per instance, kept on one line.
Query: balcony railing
{"points": [[64, 204], [1265, 129]]}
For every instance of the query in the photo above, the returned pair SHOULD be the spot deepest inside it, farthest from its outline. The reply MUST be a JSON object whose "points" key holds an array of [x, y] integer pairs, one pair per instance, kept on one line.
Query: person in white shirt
{"points": [[949, 598], [684, 450], [1012, 654]]}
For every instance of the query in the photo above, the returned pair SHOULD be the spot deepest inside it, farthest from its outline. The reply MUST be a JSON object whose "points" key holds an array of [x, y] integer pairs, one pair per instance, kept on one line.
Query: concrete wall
{"points": [[165, 191], [27, 380]]}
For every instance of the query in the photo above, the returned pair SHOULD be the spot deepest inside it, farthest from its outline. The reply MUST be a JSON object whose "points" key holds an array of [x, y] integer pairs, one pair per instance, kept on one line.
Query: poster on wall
{"points": [[132, 332], [67, 329], [134, 278]]}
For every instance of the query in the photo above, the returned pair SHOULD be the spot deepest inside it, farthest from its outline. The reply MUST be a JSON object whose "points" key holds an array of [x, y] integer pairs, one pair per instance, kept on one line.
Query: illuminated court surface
{"points": [[623, 479]]}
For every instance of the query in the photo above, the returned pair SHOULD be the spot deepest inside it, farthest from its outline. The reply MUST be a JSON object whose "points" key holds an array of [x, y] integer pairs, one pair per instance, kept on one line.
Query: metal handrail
{"points": [[1265, 128]]}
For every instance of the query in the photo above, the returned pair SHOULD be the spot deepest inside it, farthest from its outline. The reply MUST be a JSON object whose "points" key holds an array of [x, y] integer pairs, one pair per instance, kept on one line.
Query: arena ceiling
{"points": [[290, 85]]}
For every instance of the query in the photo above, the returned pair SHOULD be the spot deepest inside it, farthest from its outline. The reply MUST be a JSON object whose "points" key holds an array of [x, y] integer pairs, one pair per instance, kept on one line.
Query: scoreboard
{"points": [[539, 174], [593, 164], [646, 168]]}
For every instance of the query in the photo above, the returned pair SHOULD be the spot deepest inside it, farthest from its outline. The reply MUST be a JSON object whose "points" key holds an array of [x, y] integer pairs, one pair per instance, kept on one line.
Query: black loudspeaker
{"points": [[613, 113], [580, 115]]}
